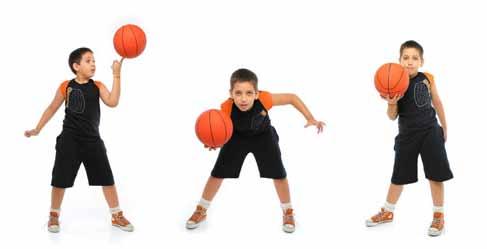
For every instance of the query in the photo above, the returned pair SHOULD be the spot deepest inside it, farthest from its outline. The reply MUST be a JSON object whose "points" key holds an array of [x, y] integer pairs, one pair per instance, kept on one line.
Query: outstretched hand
{"points": [[33, 132], [319, 124]]}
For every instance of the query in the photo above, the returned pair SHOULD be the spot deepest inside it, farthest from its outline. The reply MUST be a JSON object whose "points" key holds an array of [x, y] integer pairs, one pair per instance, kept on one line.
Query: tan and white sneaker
{"points": [[437, 225], [118, 220], [199, 215], [53, 223], [288, 224], [380, 218]]}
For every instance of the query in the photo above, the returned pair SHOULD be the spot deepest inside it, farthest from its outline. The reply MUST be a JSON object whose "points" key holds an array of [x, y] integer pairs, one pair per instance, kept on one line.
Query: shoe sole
{"points": [[435, 233], [288, 229], [125, 229], [53, 229], [194, 226], [373, 224]]}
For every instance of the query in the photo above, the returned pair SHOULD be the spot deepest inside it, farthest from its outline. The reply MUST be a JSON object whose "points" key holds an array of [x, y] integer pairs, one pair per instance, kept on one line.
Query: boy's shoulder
{"points": [[429, 76]]}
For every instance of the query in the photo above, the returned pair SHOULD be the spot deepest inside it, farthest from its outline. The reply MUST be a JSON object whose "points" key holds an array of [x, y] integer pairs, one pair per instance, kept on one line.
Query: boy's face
{"points": [[411, 60], [244, 94], [86, 67]]}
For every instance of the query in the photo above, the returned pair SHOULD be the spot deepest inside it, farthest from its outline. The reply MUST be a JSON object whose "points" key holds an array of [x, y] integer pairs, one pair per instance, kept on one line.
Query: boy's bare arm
{"points": [[111, 98], [294, 100], [392, 106], [438, 105], [47, 115]]}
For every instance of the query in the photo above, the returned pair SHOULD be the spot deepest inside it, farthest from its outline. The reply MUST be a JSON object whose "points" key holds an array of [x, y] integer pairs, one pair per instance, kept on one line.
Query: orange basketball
{"points": [[214, 128], [391, 79], [129, 41]]}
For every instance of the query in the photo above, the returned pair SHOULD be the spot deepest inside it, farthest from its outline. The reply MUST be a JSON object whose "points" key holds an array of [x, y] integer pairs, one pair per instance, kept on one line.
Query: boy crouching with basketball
{"points": [[252, 133]]}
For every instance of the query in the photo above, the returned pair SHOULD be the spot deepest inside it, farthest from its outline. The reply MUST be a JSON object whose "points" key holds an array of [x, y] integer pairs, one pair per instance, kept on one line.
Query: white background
{"points": [[324, 51]]}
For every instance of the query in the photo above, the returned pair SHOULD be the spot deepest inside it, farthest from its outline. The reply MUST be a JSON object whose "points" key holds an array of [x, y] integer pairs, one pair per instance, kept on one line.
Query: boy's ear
{"points": [[422, 62], [230, 93], [257, 95], [76, 66]]}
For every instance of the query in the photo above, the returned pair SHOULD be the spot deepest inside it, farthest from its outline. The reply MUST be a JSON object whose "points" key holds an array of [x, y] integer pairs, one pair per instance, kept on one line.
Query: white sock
{"points": [[389, 207], [204, 203], [437, 209], [286, 206], [55, 210], [115, 210]]}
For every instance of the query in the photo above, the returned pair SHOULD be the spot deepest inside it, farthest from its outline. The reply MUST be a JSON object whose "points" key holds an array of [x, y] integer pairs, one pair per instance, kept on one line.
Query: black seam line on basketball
{"points": [[211, 129], [135, 38], [397, 83], [123, 43], [388, 80], [224, 125]]}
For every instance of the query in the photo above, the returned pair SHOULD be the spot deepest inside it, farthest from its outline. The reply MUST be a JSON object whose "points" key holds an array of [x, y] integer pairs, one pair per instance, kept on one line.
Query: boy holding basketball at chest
{"points": [[80, 141], [253, 133], [419, 134]]}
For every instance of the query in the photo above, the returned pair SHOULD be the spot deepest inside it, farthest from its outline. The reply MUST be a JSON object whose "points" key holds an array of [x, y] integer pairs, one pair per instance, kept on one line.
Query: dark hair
{"points": [[76, 55], [412, 44], [242, 75]]}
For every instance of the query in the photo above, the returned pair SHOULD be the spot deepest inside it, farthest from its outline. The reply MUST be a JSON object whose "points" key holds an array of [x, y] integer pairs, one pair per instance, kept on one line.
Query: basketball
{"points": [[129, 41], [391, 79], [214, 128]]}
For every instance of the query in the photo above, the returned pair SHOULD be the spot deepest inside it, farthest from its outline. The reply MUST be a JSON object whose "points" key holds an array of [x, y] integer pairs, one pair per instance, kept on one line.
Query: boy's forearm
{"points": [[115, 93], [441, 114], [46, 116], [392, 111], [301, 107]]}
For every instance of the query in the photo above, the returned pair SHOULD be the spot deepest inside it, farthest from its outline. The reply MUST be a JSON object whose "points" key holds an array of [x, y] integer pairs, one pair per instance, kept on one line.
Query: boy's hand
{"points": [[319, 124], [392, 100], [33, 132], [444, 133], [209, 147], [117, 67]]}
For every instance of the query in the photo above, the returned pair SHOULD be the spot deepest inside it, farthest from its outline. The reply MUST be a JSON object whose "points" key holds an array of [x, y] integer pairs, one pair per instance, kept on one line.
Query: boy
{"points": [[252, 132], [80, 140], [419, 134]]}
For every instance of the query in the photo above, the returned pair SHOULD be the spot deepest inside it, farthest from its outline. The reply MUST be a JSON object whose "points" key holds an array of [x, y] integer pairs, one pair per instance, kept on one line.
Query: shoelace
{"points": [[121, 218], [379, 215], [289, 217], [197, 215], [436, 223]]}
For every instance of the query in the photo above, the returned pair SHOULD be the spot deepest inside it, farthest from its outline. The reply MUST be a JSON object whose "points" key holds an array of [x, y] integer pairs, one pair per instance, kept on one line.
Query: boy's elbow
{"points": [[112, 104], [392, 117], [294, 98]]}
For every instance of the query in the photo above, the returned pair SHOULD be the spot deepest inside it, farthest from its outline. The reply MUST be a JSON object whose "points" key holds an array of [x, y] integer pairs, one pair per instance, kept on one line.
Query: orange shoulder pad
{"points": [[266, 99], [62, 88], [98, 84], [226, 107], [430, 77]]}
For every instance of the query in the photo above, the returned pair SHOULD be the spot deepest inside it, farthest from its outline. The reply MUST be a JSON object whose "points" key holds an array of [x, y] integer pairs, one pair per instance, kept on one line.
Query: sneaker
{"points": [[288, 224], [437, 224], [53, 224], [197, 218], [382, 217], [118, 220]]}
